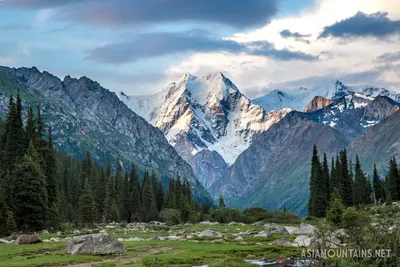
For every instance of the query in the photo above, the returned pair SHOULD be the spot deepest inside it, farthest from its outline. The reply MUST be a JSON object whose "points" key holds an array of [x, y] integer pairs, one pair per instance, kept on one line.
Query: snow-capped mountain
{"points": [[204, 113], [297, 99]]}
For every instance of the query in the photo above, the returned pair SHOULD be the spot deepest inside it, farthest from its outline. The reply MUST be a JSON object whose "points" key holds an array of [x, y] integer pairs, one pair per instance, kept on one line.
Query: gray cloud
{"points": [[149, 45], [286, 33], [236, 13], [363, 25], [388, 57]]}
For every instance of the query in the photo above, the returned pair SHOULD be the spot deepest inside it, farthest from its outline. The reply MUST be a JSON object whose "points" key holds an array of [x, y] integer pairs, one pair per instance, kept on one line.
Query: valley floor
{"points": [[211, 251]]}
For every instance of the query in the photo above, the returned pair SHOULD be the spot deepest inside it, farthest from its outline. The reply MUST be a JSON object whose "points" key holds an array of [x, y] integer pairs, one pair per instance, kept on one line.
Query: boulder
{"points": [[282, 243], [59, 234], [4, 241], [209, 233], [305, 229], [54, 239], [303, 241], [261, 234], [319, 243], [209, 223], [218, 241], [259, 223], [239, 239], [45, 232], [292, 229], [94, 244], [233, 223], [273, 229], [28, 239]]}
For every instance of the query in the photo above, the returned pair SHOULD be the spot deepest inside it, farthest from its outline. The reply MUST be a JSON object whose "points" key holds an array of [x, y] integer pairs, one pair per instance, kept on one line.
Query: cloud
{"points": [[149, 45], [297, 36], [388, 57], [363, 25], [236, 13]]}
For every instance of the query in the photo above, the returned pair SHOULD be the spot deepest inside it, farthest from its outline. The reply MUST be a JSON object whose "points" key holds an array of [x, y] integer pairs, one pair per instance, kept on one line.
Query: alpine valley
{"points": [[253, 152], [256, 152]]}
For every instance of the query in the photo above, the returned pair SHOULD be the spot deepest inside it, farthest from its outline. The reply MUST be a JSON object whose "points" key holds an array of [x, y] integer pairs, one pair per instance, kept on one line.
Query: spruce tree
{"points": [[377, 186], [393, 180], [30, 193], [315, 173], [336, 208], [30, 132], [325, 170], [111, 208], [135, 202], [359, 184], [345, 188], [87, 206], [170, 198], [100, 193], [125, 200], [51, 171], [148, 201], [160, 197]]}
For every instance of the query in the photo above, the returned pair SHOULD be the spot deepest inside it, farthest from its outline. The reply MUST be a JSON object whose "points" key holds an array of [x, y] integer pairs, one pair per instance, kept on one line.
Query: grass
{"points": [[145, 253]]}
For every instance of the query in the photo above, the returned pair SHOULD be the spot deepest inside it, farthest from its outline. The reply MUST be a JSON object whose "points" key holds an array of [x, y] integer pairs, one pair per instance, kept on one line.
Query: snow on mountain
{"points": [[297, 99], [204, 113]]}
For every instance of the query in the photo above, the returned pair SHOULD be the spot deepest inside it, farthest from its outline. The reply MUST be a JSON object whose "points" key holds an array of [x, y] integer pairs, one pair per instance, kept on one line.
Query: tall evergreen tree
{"points": [[30, 193], [359, 184], [135, 206], [393, 180], [148, 201], [325, 170], [221, 202], [111, 208], [316, 173], [378, 186], [87, 206], [345, 180]]}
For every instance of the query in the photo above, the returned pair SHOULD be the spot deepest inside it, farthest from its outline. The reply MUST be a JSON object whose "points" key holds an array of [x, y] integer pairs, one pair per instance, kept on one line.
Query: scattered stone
{"points": [[239, 239], [28, 239], [94, 244], [292, 229], [59, 234], [273, 229], [209, 233], [259, 223], [54, 239], [218, 241], [157, 223], [318, 243], [4, 241], [261, 234], [45, 232], [305, 229], [282, 243], [76, 232], [134, 239], [233, 223], [174, 238], [209, 223], [302, 241]]}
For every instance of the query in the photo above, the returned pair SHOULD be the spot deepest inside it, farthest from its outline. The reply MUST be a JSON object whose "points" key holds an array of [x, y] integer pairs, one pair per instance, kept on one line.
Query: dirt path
{"points": [[147, 252]]}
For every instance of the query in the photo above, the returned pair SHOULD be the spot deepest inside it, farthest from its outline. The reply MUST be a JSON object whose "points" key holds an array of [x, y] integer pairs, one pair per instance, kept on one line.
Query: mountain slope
{"points": [[378, 144], [204, 113], [273, 172], [317, 103], [85, 116]]}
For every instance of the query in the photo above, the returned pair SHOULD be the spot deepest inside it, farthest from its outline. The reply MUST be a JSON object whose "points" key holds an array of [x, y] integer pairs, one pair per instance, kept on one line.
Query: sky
{"points": [[140, 46]]}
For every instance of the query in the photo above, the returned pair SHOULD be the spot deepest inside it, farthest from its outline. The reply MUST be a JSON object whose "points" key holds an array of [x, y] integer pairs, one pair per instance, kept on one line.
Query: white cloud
{"points": [[336, 57]]}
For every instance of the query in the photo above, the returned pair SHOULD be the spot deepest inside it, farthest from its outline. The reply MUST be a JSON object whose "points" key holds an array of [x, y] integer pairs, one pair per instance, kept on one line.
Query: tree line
{"points": [[40, 188], [347, 185]]}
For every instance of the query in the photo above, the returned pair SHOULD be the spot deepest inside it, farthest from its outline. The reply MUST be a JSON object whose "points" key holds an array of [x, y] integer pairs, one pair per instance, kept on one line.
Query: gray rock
{"points": [[218, 241], [273, 229], [303, 241], [4, 241], [282, 243], [239, 239], [54, 239], [45, 232], [95, 244], [292, 229], [209, 233], [28, 239], [209, 223], [305, 229], [59, 234], [259, 223]]}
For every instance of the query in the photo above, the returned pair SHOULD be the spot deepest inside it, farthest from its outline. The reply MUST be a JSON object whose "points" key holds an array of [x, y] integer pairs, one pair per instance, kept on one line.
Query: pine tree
{"points": [[160, 197], [345, 180], [100, 193], [170, 198], [30, 193], [51, 171], [325, 170], [359, 184], [135, 202], [315, 173], [378, 186], [87, 206], [111, 209], [148, 201], [125, 200], [333, 181], [30, 132], [336, 208], [393, 180]]}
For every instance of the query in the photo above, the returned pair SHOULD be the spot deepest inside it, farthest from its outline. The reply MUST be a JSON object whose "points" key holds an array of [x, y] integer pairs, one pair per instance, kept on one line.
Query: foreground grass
{"points": [[144, 253]]}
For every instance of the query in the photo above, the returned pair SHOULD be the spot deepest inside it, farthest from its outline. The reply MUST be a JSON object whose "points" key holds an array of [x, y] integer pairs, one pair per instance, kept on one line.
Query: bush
{"points": [[170, 216]]}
